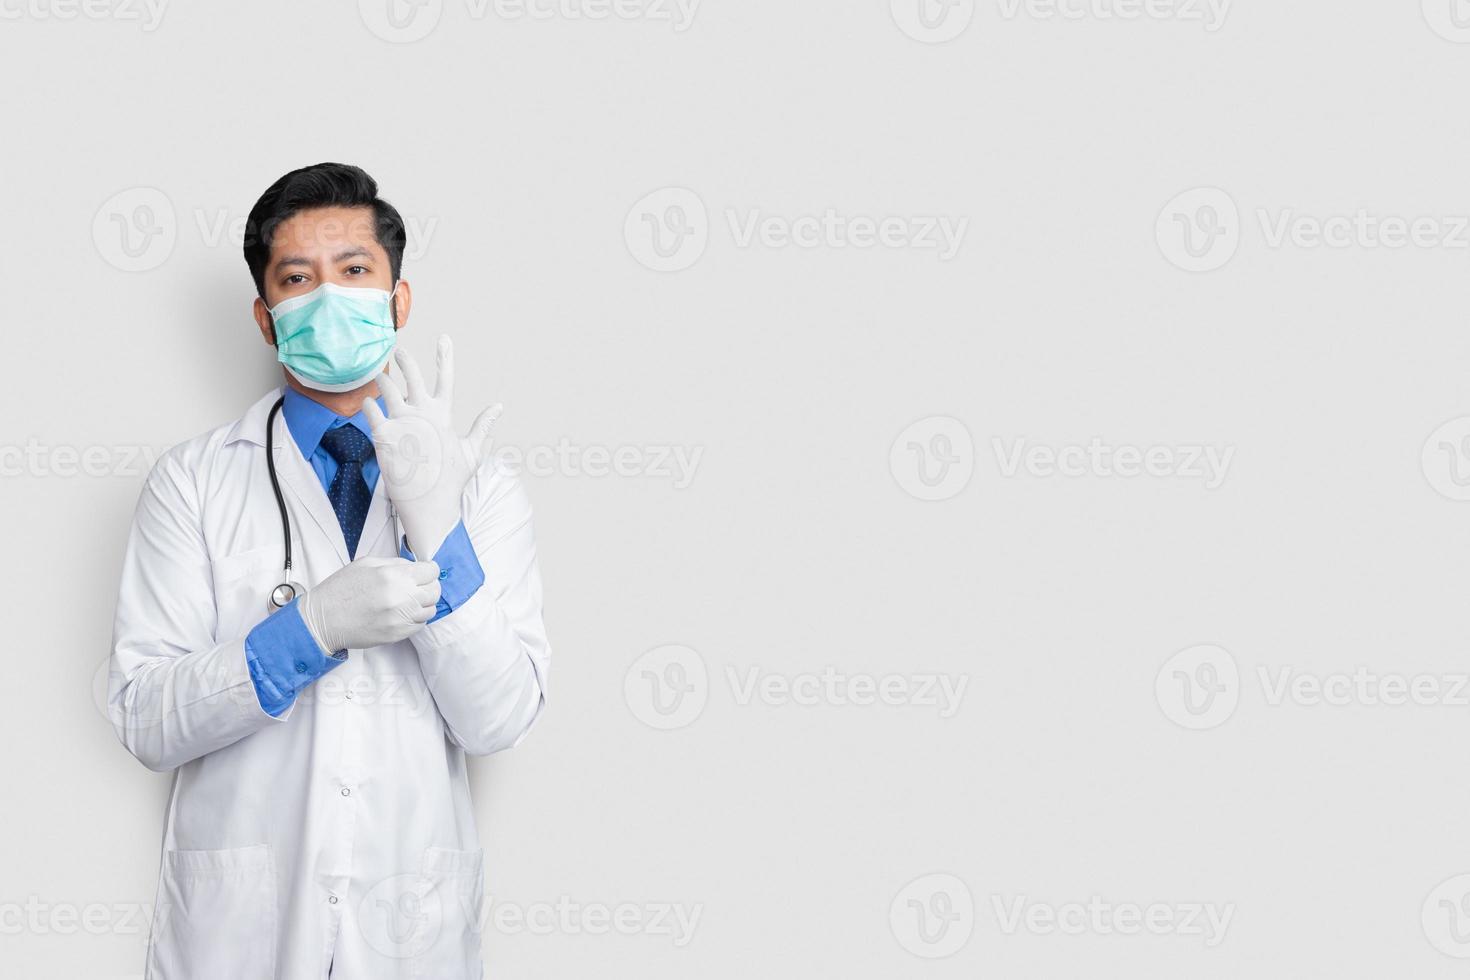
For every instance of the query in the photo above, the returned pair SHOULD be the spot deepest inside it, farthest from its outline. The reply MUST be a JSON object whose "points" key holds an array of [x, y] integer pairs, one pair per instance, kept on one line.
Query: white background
{"points": [[1073, 767]]}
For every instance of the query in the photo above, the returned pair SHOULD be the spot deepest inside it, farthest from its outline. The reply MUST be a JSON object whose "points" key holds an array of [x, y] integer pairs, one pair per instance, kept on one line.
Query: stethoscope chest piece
{"points": [[283, 595]]}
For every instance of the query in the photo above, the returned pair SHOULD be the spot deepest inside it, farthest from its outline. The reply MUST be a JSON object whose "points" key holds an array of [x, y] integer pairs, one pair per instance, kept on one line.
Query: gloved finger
{"points": [[378, 561], [480, 431], [391, 394], [420, 614], [427, 595], [444, 363], [413, 378], [374, 414], [424, 572]]}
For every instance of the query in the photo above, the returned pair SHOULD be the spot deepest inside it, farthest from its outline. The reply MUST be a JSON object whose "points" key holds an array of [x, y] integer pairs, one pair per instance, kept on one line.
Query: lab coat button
{"points": [[332, 899], [346, 791]]}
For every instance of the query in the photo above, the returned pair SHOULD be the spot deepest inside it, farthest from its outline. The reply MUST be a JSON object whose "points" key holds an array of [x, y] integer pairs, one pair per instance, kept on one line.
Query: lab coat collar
{"points": [[251, 426], [297, 477]]}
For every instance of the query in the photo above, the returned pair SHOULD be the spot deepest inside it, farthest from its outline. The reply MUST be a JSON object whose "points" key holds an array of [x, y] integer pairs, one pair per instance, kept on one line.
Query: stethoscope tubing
{"points": [[282, 594]]}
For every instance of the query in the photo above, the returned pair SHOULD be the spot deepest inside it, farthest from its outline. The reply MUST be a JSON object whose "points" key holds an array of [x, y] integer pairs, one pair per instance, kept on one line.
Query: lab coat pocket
{"points": [[454, 891], [216, 916]]}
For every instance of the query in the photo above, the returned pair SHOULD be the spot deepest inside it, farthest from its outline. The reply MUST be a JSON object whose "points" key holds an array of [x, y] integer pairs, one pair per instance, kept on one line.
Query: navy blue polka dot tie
{"points": [[349, 492]]}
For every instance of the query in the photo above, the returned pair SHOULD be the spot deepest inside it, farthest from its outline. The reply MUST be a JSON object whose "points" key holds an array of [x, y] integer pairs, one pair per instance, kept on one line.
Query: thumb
{"points": [[480, 431]]}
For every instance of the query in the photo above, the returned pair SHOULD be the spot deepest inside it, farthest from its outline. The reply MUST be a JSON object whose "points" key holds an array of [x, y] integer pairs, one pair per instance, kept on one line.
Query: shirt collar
{"points": [[308, 420]]}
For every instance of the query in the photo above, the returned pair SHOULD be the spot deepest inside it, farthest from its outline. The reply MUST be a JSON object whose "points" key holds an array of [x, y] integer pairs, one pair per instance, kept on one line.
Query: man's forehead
{"points": [[327, 229]]}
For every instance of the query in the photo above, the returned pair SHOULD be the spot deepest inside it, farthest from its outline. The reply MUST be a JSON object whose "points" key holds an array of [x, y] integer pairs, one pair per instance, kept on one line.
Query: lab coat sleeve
{"points": [[175, 692], [487, 662]]}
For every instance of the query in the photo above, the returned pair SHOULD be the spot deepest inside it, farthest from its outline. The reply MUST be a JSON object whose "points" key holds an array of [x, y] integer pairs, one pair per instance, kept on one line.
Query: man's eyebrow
{"points": [[355, 252]]}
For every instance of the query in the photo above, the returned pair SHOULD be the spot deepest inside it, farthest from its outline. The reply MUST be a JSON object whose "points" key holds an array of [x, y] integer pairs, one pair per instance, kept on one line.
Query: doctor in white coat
{"points": [[320, 821]]}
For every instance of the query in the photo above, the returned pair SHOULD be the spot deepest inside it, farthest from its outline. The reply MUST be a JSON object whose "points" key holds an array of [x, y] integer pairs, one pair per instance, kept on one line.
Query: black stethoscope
{"points": [[283, 594]]}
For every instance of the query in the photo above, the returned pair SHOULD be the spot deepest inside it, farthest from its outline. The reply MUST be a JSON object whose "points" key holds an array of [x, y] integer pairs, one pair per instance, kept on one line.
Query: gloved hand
{"points": [[425, 466], [371, 601]]}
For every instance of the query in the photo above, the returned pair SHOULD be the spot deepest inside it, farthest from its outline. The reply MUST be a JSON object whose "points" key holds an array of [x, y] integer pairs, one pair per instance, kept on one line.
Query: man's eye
{"points": [[295, 279], [357, 270]]}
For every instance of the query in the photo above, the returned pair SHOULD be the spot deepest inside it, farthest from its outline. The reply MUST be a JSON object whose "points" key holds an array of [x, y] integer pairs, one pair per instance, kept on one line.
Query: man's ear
{"points": [[402, 303], [264, 322]]}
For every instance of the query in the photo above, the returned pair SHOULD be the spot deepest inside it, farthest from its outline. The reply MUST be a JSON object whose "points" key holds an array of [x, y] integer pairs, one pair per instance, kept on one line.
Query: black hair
{"points": [[322, 185]]}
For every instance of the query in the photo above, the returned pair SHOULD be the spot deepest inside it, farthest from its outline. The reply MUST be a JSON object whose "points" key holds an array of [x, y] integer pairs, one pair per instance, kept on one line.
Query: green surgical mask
{"points": [[335, 338]]}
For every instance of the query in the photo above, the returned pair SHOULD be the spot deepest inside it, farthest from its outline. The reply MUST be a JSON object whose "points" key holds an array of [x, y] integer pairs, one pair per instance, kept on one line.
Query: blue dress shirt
{"points": [[281, 653]]}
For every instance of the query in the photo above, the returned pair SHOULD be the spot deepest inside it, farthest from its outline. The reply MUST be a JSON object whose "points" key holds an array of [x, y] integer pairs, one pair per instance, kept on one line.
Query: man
{"points": [[320, 821]]}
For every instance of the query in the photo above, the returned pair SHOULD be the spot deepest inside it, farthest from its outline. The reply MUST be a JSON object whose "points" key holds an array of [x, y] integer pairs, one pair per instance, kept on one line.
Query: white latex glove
{"points": [[425, 465], [371, 601]]}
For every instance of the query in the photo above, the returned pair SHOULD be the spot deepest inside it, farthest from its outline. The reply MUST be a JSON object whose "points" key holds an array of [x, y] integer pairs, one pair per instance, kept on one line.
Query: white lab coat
{"points": [[340, 833]]}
